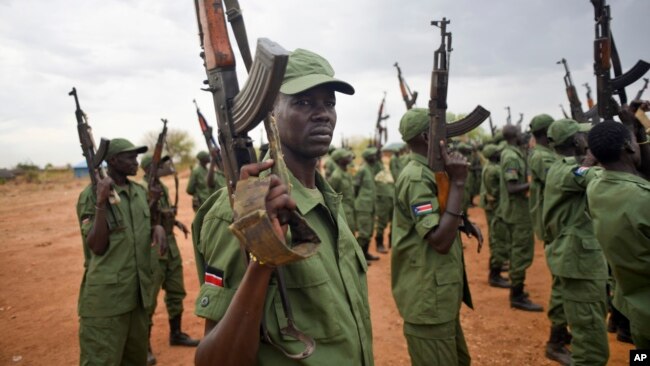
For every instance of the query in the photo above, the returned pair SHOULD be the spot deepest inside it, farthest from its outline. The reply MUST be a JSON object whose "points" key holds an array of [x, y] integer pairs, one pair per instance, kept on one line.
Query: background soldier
{"points": [[427, 258], [198, 187], [116, 291], [364, 204], [574, 255], [513, 210], [619, 204], [342, 183], [385, 186], [169, 271], [490, 202]]}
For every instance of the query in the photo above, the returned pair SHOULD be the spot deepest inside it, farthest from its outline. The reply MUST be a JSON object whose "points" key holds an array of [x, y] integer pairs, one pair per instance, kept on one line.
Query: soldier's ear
{"points": [[628, 148]]}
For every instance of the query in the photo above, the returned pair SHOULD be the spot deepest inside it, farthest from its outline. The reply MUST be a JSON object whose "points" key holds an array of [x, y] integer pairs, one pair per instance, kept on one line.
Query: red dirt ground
{"points": [[41, 264]]}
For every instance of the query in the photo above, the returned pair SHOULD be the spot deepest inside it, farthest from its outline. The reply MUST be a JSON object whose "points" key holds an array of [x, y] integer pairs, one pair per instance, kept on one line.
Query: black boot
{"points": [[495, 279], [151, 359], [565, 335], [365, 244], [555, 349], [379, 239], [519, 300], [178, 338], [622, 323]]}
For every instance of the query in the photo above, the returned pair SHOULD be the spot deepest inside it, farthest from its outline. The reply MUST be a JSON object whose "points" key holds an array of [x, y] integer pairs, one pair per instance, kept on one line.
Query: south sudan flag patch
{"points": [[422, 208], [581, 171], [213, 276]]}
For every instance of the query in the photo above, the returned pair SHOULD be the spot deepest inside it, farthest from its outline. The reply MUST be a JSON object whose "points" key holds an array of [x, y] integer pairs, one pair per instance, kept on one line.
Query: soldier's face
{"points": [[125, 163], [306, 121]]}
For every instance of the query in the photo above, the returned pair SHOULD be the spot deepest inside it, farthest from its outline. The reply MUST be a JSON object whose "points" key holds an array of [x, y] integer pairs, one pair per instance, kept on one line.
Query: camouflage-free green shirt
{"points": [[396, 165], [619, 205], [328, 291], [539, 162], [367, 191], [427, 286], [198, 183], [490, 186], [513, 208], [573, 251], [117, 281], [341, 181]]}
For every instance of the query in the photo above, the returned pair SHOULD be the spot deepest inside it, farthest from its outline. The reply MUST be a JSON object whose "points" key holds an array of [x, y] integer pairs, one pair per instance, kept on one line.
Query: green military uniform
{"points": [[198, 185], [466, 150], [328, 291], [116, 290], [513, 210], [342, 183], [489, 200], [330, 166], [385, 187], [427, 286], [396, 164], [576, 259], [619, 205], [364, 203]]}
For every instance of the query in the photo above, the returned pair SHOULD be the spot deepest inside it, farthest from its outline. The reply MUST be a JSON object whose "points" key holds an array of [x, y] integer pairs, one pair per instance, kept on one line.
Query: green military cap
{"points": [[560, 130], [463, 146], [306, 70], [370, 151], [490, 149], [120, 145], [413, 122], [340, 153], [203, 155], [147, 159], [540, 122]]}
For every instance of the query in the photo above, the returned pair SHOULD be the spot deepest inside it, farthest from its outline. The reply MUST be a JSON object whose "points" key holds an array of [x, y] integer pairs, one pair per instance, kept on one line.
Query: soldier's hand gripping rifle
{"points": [[639, 94], [590, 100], [381, 132], [238, 112], [439, 130], [571, 93], [605, 58], [93, 157], [409, 98], [211, 143]]}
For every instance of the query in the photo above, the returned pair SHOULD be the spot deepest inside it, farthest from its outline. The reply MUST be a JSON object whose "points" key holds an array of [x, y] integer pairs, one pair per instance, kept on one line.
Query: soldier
{"points": [[619, 207], [396, 164], [539, 161], [385, 186], [342, 183], [364, 204], [169, 274], [427, 258], [466, 150], [513, 210], [489, 200], [330, 165], [573, 254], [328, 291], [116, 291], [203, 181]]}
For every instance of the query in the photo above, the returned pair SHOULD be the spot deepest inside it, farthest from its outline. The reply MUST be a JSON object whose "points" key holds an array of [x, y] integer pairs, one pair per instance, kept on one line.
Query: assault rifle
{"points": [[574, 102], [439, 130], [213, 148], [564, 111], [381, 132], [153, 183], [520, 120], [493, 129], [643, 88], [605, 58], [590, 100], [509, 118], [408, 96], [238, 112]]}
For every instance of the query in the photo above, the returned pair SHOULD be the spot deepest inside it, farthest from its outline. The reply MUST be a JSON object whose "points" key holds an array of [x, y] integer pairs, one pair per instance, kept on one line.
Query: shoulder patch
{"points": [[420, 209], [213, 276], [581, 171]]}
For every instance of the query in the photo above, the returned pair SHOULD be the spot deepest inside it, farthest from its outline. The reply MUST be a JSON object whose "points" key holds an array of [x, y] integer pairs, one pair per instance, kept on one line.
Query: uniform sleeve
{"points": [[511, 170], [191, 185], [335, 182], [421, 197], [579, 177], [492, 183], [86, 211]]}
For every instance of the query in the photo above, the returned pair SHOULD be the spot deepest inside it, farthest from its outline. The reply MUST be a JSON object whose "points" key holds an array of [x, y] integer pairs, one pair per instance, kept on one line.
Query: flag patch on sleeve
{"points": [[581, 171], [422, 208], [213, 276]]}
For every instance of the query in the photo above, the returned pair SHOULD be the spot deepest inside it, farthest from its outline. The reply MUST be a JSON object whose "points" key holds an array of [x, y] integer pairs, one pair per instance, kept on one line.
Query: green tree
{"points": [[179, 144]]}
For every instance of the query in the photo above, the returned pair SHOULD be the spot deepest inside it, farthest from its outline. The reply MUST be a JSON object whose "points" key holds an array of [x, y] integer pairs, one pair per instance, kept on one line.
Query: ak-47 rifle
{"points": [[643, 88], [574, 102], [509, 118], [564, 111], [605, 58], [152, 193], [590, 100], [409, 98], [238, 112], [93, 157], [520, 120], [493, 129], [213, 148], [381, 132], [439, 130]]}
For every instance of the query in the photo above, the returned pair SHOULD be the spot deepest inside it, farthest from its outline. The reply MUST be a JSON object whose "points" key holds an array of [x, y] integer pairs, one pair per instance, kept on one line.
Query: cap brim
{"points": [[300, 84], [138, 149]]}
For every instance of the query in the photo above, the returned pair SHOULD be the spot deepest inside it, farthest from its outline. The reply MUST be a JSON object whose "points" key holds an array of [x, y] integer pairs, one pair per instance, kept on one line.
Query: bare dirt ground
{"points": [[41, 265]]}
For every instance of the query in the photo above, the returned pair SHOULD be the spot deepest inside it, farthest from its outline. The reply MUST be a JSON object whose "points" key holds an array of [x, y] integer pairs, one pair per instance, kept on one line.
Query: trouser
{"points": [[555, 311], [169, 276], [384, 212], [498, 245], [439, 344], [119, 340], [522, 250], [585, 308], [365, 224]]}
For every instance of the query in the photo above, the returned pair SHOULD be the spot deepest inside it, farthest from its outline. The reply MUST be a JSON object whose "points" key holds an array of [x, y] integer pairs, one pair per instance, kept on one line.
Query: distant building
{"points": [[80, 169]]}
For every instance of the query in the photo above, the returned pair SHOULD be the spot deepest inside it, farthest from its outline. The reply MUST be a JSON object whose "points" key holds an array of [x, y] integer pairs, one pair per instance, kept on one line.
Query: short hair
{"points": [[607, 139]]}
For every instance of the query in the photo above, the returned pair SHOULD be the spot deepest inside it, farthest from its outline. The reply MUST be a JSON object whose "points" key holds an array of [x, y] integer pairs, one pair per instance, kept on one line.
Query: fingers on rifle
{"points": [[253, 170]]}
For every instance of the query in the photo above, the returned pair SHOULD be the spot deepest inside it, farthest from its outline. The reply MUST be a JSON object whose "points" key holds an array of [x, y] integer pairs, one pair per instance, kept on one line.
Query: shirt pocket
{"points": [[591, 258], [449, 282], [312, 300]]}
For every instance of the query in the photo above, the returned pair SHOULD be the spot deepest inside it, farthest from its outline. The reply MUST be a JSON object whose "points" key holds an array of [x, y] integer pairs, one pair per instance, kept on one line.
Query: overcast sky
{"points": [[134, 62]]}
